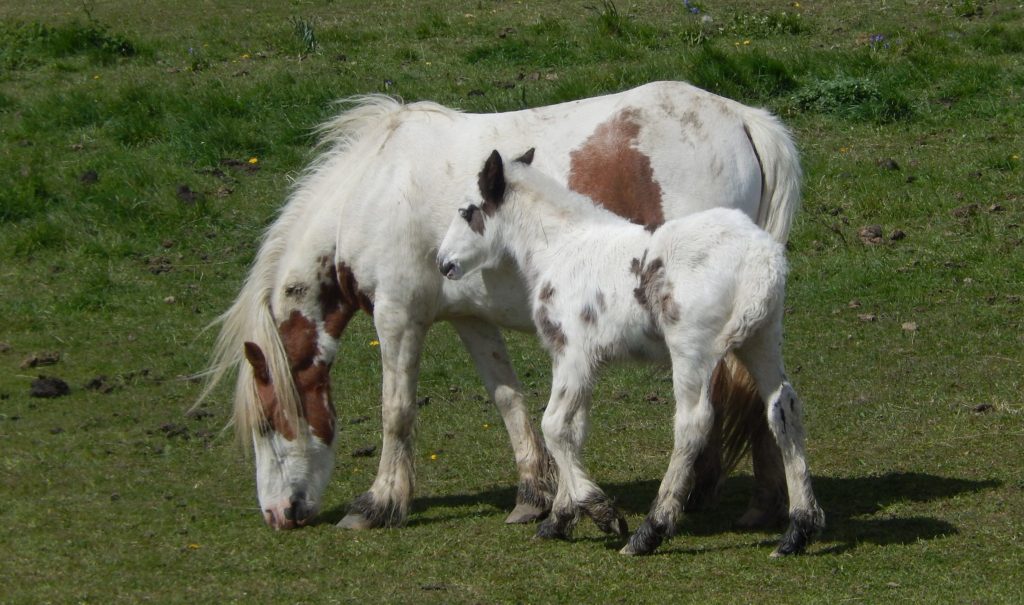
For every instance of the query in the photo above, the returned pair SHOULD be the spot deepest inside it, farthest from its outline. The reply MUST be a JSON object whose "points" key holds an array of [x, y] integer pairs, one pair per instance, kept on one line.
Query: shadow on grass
{"points": [[849, 502]]}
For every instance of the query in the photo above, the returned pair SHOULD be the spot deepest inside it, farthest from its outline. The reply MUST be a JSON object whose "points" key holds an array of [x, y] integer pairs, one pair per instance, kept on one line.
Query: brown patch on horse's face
{"points": [[314, 386], [609, 169], [474, 217], [273, 416], [311, 375]]}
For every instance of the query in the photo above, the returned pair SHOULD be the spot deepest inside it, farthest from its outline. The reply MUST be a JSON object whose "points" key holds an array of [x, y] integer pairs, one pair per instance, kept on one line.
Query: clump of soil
{"points": [[49, 387]]}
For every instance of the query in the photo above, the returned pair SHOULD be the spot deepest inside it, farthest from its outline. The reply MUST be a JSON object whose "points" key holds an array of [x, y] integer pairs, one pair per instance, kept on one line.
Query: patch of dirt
{"points": [[100, 384], [35, 360], [364, 452], [49, 387], [159, 264]]}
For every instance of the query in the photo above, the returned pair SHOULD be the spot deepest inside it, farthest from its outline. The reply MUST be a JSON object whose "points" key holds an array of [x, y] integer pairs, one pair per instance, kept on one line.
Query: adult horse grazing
{"points": [[361, 230], [603, 288]]}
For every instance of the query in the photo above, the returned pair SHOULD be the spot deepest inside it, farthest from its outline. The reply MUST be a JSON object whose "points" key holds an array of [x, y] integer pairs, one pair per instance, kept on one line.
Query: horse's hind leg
{"points": [[401, 343], [762, 355], [691, 377], [486, 346]]}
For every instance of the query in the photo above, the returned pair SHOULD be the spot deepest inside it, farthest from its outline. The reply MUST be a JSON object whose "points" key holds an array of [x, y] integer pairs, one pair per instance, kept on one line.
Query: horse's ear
{"points": [[527, 158], [258, 361], [492, 180]]}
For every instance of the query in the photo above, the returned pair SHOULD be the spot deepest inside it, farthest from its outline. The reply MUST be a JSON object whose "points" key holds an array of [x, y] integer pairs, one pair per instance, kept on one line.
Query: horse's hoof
{"points": [[549, 530], [355, 521], [525, 513]]}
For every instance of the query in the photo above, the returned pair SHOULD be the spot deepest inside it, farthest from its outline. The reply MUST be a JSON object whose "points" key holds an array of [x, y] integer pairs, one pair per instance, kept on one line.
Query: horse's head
{"points": [[284, 392], [468, 244], [293, 449]]}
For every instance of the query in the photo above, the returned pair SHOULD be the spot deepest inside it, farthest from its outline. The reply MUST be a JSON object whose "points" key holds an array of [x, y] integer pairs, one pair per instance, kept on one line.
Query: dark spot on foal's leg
{"points": [[601, 509], [648, 536], [558, 525], [803, 526]]}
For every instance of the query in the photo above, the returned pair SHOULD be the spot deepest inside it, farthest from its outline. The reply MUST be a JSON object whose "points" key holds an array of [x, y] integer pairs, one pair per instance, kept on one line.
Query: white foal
{"points": [[603, 288]]}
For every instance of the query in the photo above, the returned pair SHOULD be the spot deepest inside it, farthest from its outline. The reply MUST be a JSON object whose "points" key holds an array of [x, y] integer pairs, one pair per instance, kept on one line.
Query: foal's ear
{"points": [[492, 180], [258, 361], [527, 158]]}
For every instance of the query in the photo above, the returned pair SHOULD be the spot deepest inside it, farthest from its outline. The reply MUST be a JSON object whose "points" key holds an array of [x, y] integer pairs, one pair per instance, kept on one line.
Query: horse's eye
{"points": [[467, 213]]}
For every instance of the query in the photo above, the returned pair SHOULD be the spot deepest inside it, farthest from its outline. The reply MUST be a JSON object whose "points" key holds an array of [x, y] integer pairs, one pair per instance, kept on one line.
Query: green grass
{"points": [[129, 211]]}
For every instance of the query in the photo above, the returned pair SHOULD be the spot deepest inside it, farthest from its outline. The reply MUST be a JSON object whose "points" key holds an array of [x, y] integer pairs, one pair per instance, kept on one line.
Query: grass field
{"points": [[144, 146]]}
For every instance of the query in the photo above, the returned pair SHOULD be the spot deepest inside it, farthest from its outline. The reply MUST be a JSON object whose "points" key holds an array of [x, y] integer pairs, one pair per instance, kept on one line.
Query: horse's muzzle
{"points": [[449, 269], [296, 514]]}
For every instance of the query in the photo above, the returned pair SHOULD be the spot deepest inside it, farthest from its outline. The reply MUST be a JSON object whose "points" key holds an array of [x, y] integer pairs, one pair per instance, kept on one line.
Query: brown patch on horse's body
{"points": [[351, 295], [609, 169], [588, 314]]}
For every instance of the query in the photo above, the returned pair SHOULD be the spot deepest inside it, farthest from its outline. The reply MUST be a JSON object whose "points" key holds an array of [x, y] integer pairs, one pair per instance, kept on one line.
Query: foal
{"points": [[603, 288]]}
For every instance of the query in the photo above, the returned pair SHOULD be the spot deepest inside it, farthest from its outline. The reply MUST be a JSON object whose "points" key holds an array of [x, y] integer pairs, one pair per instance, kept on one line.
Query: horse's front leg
{"points": [[565, 427], [486, 346], [401, 334]]}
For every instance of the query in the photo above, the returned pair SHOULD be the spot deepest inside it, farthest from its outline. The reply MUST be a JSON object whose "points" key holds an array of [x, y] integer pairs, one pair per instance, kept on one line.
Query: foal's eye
{"points": [[467, 213]]}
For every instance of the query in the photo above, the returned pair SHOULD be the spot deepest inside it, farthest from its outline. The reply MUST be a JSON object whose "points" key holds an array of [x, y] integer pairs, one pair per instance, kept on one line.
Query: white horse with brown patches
{"points": [[361, 229], [602, 289]]}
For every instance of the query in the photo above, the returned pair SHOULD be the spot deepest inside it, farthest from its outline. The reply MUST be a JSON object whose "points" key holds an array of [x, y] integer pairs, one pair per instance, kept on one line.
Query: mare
{"points": [[603, 289], [360, 231]]}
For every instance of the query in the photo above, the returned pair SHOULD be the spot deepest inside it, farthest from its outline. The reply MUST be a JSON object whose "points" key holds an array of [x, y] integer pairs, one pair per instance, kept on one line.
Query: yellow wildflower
{"points": [[254, 160], [374, 343]]}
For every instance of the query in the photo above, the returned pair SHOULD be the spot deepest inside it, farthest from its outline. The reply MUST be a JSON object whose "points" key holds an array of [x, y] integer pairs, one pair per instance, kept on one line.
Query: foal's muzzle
{"points": [[449, 269]]}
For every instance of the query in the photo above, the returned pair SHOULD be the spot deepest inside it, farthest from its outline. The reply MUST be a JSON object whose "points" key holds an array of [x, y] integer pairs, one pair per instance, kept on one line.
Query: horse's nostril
{"points": [[298, 512], [445, 267]]}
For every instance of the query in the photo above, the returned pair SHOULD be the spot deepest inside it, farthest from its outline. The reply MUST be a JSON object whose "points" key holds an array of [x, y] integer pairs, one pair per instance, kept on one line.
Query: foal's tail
{"points": [[780, 169]]}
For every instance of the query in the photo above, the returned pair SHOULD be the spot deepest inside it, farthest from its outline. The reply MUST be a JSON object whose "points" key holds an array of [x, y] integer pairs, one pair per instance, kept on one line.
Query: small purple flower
{"points": [[877, 39], [693, 9]]}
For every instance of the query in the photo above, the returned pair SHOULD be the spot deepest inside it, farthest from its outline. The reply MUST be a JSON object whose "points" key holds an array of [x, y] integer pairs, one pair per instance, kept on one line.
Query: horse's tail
{"points": [[780, 172], [739, 412]]}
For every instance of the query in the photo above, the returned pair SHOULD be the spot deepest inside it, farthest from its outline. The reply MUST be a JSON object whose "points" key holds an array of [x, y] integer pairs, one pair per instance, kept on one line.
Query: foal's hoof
{"points": [[526, 513], [356, 521]]}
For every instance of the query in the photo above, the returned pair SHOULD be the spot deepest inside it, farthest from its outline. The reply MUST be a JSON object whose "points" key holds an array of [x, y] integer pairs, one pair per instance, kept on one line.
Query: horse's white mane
{"points": [[250, 317]]}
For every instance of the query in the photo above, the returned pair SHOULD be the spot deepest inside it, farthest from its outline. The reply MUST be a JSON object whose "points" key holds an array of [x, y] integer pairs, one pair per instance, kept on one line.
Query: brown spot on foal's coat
{"points": [[610, 169], [550, 331]]}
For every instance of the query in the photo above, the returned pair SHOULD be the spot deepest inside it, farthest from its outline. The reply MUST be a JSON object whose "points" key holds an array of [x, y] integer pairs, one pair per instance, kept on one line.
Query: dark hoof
{"points": [[526, 513], [613, 524], [549, 530], [356, 521], [803, 526], [647, 538]]}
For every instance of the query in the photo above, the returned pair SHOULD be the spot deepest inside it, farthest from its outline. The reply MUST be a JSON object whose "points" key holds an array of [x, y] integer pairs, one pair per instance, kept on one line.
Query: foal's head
{"points": [[468, 244]]}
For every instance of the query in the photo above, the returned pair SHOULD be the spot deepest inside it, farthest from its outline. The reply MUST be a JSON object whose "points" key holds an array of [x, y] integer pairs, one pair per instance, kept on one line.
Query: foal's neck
{"points": [[545, 224]]}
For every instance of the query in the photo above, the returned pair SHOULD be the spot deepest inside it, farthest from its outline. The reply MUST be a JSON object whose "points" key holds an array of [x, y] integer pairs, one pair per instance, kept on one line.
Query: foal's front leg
{"points": [[565, 428]]}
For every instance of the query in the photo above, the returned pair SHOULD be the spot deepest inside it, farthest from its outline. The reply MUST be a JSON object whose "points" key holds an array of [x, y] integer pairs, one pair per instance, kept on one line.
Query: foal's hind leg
{"points": [[691, 377], [536, 474], [762, 355]]}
